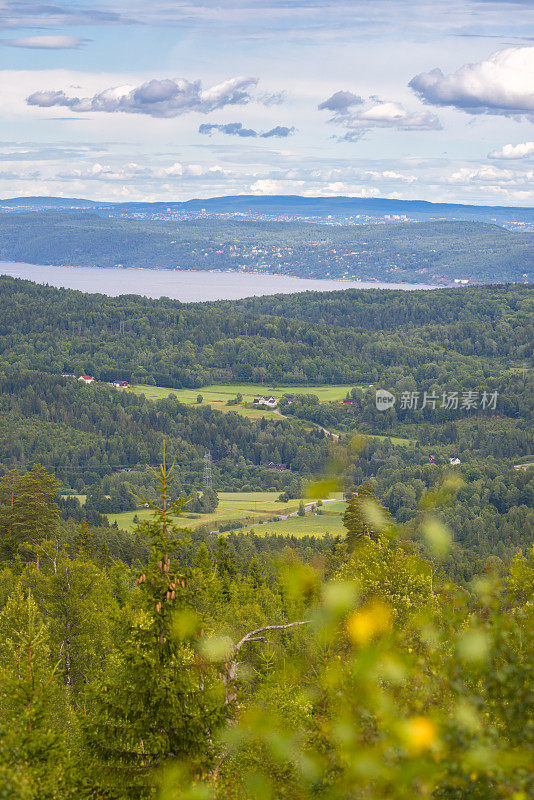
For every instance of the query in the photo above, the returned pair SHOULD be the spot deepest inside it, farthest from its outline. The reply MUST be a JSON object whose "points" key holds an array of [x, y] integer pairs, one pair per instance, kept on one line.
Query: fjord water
{"points": [[185, 285]]}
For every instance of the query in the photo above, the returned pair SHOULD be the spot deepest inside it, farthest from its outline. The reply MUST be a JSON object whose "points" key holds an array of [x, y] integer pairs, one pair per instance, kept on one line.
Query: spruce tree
{"points": [[364, 516], [28, 510], [160, 700], [33, 712]]}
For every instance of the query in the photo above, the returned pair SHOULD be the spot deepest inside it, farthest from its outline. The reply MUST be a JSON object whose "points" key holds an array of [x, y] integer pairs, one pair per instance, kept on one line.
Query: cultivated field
{"points": [[254, 509], [218, 395]]}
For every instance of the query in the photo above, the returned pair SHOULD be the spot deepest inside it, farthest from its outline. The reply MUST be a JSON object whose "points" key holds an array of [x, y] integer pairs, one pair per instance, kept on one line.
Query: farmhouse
{"points": [[121, 384], [86, 379], [270, 402]]}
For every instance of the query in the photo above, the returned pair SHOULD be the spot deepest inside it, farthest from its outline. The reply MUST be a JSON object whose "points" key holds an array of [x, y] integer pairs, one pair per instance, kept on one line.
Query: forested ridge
{"points": [[303, 338], [419, 252]]}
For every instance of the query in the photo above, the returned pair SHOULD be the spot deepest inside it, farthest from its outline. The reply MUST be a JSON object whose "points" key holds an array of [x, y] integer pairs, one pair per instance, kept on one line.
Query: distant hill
{"points": [[349, 209], [417, 252]]}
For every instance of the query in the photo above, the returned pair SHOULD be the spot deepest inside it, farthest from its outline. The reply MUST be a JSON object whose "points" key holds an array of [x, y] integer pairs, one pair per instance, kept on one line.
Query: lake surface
{"points": [[185, 285]]}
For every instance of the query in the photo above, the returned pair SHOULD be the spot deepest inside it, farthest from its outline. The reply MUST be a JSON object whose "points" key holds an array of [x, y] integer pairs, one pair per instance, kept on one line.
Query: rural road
{"points": [[307, 507]]}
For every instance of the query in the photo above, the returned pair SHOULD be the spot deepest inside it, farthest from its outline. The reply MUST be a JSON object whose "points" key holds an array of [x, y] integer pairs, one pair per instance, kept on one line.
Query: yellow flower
{"points": [[419, 734], [367, 623]]}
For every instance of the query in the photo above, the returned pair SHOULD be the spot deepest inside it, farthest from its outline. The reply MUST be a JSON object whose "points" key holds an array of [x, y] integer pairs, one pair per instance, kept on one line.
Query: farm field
{"points": [[254, 507], [219, 394], [330, 521]]}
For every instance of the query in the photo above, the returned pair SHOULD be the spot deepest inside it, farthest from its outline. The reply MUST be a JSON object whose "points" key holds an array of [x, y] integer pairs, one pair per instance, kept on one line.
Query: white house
{"points": [[454, 462], [86, 379], [270, 402]]}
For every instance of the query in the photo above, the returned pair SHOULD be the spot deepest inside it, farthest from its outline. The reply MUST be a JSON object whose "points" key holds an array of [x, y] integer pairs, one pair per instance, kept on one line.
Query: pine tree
{"points": [[160, 701]]}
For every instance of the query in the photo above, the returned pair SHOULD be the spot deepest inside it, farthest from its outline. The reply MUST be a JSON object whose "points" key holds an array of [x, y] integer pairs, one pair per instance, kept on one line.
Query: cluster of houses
{"points": [[87, 379], [270, 402]]}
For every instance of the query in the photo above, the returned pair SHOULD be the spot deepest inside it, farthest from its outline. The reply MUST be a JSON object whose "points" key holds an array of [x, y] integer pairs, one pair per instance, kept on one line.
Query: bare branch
{"points": [[252, 636]]}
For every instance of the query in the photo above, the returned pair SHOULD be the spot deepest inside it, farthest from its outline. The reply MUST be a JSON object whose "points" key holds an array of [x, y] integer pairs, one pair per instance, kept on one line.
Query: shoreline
{"points": [[342, 283]]}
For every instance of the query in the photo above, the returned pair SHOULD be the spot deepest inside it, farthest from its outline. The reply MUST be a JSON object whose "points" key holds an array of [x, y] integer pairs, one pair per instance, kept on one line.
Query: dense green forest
{"points": [[219, 668], [370, 336], [421, 252], [98, 441], [163, 663]]}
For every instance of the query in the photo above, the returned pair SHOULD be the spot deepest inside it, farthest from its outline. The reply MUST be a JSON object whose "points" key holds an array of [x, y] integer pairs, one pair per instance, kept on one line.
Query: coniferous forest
{"points": [[178, 663]]}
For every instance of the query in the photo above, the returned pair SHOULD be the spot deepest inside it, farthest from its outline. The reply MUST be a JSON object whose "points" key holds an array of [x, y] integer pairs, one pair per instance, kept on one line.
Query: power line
{"points": [[208, 476]]}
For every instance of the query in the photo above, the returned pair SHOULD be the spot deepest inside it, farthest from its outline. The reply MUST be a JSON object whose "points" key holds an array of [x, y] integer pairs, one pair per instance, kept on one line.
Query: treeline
{"points": [[171, 344]]}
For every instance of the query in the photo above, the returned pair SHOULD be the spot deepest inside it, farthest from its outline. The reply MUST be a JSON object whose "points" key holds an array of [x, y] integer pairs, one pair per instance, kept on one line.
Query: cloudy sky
{"points": [[166, 99]]}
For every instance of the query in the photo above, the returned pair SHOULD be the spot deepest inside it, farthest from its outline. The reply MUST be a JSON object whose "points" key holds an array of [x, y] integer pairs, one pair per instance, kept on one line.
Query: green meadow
{"points": [[221, 393], [254, 509]]}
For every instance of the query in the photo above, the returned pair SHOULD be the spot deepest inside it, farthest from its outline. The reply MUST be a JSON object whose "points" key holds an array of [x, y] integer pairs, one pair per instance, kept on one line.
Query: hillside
{"points": [[286, 207], [415, 252]]}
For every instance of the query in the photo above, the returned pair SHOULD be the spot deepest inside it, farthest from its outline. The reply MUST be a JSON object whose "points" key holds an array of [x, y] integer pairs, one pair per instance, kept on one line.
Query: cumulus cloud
{"points": [[157, 98], [279, 131], [391, 175], [360, 116], [340, 102], [503, 84], [510, 152], [491, 177], [46, 42], [230, 128], [135, 172], [237, 129], [270, 186]]}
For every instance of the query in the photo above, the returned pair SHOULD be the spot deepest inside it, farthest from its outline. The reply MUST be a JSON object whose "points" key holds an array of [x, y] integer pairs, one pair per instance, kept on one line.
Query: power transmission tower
{"points": [[208, 477]]}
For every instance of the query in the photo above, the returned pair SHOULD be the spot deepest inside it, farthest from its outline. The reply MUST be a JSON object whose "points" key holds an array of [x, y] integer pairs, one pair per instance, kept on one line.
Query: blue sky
{"points": [[171, 100]]}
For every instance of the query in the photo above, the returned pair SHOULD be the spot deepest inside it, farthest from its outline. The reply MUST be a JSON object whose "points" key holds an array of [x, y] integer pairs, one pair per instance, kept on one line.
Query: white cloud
{"points": [[175, 169], [503, 84], [510, 152], [359, 116], [105, 172], [490, 174], [45, 42], [269, 186], [157, 98], [391, 175]]}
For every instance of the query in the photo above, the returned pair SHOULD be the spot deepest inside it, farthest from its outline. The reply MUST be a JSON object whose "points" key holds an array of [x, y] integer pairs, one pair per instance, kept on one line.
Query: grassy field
{"points": [[253, 508], [218, 394], [330, 521], [81, 497]]}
